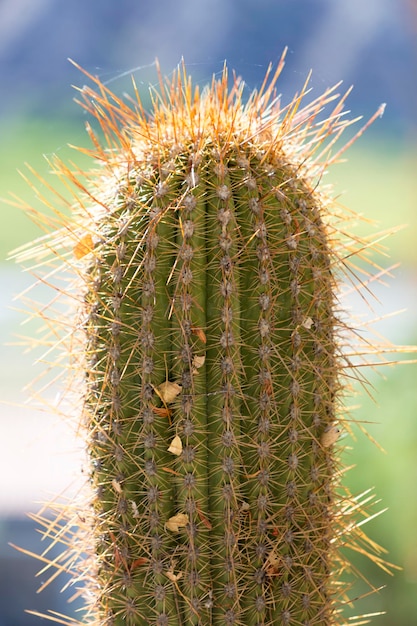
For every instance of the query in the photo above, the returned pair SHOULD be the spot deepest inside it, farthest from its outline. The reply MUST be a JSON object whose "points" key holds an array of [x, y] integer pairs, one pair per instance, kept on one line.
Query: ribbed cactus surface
{"points": [[210, 361], [211, 384]]}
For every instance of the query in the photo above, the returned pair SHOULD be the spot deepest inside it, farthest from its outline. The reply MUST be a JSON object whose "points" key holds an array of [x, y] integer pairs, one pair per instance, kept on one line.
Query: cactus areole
{"points": [[210, 351]]}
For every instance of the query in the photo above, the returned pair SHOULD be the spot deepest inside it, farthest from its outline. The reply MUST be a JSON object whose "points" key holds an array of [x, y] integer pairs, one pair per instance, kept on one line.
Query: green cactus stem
{"points": [[209, 349]]}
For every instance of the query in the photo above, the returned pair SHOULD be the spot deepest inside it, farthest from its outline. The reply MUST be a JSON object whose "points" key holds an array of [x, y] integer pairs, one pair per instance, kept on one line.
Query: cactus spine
{"points": [[211, 358]]}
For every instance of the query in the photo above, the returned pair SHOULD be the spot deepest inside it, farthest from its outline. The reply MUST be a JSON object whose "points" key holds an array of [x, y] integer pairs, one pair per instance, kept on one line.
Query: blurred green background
{"points": [[370, 45]]}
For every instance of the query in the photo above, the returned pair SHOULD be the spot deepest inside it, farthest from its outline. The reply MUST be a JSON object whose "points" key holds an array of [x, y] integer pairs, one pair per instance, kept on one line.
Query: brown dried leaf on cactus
{"points": [[176, 522], [168, 391], [175, 447]]}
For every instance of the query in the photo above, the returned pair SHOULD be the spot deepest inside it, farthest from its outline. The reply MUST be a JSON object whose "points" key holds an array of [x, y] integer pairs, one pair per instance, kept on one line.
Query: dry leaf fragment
{"points": [[134, 509], [173, 577], [116, 486], [200, 333], [168, 391], [138, 562], [307, 322], [272, 564], [175, 446], [203, 518], [330, 436], [83, 246], [170, 471], [161, 411], [180, 520], [267, 387], [198, 361]]}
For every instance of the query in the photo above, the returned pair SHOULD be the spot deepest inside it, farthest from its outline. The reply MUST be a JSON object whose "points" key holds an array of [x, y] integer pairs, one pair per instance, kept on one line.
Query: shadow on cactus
{"points": [[210, 358]]}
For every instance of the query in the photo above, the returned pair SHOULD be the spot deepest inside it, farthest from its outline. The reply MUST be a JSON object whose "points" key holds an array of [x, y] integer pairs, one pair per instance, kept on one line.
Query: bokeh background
{"points": [[372, 44]]}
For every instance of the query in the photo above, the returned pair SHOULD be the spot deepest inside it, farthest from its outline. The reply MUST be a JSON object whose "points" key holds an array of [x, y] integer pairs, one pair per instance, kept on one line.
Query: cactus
{"points": [[207, 342]]}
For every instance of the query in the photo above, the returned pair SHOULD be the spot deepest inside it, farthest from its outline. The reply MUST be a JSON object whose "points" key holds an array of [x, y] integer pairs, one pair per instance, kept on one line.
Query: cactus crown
{"points": [[206, 268]]}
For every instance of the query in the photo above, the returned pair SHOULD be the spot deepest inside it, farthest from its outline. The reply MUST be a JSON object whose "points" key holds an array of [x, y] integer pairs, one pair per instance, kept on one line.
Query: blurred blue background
{"points": [[370, 43]]}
